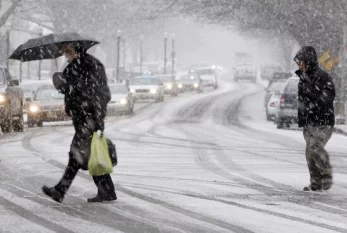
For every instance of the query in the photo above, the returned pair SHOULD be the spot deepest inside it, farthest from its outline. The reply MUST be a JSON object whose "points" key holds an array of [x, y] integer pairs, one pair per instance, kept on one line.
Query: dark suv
{"points": [[11, 103], [287, 111]]}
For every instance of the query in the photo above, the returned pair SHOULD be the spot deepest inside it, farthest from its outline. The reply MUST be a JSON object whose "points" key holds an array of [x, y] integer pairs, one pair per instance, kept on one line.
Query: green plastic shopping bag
{"points": [[99, 161]]}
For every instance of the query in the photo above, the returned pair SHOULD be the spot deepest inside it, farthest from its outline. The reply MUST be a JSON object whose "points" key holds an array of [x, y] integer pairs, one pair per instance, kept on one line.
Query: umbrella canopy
{"points": [[47, 47]]}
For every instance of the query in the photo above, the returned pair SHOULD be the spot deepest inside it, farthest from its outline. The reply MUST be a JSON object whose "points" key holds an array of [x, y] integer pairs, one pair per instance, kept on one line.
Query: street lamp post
{"points": [[124, 53], [118, 55], [141, 53], [165, 48], [40, 62], [173, 55]]}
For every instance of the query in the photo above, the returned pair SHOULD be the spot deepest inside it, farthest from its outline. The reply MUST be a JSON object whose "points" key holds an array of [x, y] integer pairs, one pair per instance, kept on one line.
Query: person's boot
{"points": [[327, 182], [97, 198], [111, 197], [312, 187], [53, 193]]}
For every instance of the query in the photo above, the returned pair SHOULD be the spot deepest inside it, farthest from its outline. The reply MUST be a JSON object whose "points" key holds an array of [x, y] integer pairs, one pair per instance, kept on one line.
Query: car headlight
{"points": [[2, 98], [180, 85], [153, 91], [196, 85], [123, 101], [132, 91], [169, 86], [34, 109]]}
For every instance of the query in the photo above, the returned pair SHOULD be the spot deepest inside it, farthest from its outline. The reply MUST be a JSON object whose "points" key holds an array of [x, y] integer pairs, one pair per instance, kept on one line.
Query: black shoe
{"points": [[111, 197], [313, 188], [97, 198], [53, 193]]}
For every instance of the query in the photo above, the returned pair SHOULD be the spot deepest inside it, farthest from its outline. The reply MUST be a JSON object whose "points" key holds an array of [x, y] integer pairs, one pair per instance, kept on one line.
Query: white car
{"points": [[272, 105], [245, 72], [122, 100], [147, 88]]}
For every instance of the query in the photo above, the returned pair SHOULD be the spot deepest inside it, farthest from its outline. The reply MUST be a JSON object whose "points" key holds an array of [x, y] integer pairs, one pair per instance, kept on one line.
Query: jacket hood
{"points": [[309, 55]]}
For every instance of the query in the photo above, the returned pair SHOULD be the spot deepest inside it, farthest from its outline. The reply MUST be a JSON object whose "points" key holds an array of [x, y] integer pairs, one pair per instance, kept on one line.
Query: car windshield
{"points": [[144, 81], [277, 86], [188, 78], [48, 94], [205, 72], [292, 86], [119, 89]]}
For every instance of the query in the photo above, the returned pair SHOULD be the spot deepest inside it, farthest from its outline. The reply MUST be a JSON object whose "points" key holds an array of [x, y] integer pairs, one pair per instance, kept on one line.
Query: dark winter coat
{"points": [[316, 92], [87, 94], [86, 97]]}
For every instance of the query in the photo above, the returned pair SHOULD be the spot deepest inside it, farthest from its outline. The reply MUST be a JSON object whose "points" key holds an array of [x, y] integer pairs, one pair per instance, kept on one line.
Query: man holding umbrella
{"points": [[84, 84]]}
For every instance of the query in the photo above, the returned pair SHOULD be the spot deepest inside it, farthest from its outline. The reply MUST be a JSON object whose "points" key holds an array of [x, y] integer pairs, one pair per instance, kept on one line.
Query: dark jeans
{"points": [[103, 183], [317, 157]]}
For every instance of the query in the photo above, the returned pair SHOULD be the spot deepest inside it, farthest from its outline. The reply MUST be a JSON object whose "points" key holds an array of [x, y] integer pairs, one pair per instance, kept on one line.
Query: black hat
{"points": [[59, 82]]}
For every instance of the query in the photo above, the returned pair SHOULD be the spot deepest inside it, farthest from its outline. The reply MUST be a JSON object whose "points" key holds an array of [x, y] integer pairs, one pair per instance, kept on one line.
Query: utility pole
{"points": [[173, 55], [40, 61], [118, 55], [141, 53], [165, 48], [124, 53]]}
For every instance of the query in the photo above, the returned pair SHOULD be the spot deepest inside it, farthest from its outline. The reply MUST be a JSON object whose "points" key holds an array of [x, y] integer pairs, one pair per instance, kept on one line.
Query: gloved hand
{"points": [[99, 125]]}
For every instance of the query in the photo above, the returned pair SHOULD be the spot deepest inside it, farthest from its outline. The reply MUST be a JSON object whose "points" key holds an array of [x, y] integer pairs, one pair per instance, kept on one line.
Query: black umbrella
{"points": [[47, 47]]}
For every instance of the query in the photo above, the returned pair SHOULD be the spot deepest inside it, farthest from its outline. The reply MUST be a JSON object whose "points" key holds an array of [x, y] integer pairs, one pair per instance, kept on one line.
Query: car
{"points": [[122, 100], [29, 88], [11, 103], [273, 91], [245, 72], [280, 76], [138, 71], [47, 105], [147, 88], [271, 108], [267, 71], [287, 109], [208, 76], [190, 82], [169, 81]]}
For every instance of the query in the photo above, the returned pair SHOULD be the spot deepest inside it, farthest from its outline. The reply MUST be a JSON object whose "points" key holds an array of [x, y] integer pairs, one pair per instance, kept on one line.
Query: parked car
{"points": [[47, 105], [169, 81], [11, 103], [245, 72], [272, 105], [147, 88], [190, 82], [273, 91], [208, 76], [287, 110], [122, 100]]}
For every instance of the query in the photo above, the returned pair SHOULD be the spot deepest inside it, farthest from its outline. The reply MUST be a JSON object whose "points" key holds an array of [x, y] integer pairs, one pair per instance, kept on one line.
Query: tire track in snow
{"points": [[27, 145]]}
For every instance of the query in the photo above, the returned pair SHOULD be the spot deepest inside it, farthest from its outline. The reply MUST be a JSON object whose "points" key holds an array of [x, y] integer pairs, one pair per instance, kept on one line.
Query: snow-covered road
{"points": [[195, 163]]}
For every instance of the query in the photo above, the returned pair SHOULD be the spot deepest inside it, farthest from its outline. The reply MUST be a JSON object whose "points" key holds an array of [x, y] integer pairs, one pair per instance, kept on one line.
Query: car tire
{"points": [[280, 123], [6, 126]]}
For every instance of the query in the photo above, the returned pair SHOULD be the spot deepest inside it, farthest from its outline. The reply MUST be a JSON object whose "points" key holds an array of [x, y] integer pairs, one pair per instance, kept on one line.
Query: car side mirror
{"points": [[13, 83]]}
